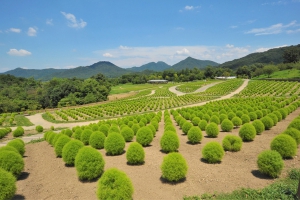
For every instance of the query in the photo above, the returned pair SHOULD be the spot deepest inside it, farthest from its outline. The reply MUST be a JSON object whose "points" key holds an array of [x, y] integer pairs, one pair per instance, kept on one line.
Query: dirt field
{"points": [[47, 177]]}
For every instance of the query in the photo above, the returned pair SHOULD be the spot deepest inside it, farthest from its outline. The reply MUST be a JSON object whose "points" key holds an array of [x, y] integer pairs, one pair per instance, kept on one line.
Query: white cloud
{"points": [[229, 45], [274, 3], [107, 55], [32, 31], [49, 21], [263, 49], [73, 22], [124, 47], [15, 30], [293, 31], [189, 7], [274, 29], [184, 51], [21, 52], [233, 26]]}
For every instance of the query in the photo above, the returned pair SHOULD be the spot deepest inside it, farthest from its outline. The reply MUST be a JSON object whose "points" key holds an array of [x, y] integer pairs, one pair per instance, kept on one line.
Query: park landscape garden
{"points": [[160, 145]]}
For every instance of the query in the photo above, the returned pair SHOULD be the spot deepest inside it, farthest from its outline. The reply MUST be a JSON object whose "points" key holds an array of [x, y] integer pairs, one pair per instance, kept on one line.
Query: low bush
{"points": [[114, 184], [226, 125], [259, 126], [247, 132], [202, 125], [285, 145], [215, 119], [278, 115], [60, 143], [85, 136], [245, 118], [269, 162], [128, 133], [273, 117], [11, 162], [18, 132], [144, 136], [194, 135], [135, 128], [169, 141], [232, 143], [77, 134], [56, 137], [252, 116], [104, 129], [89, 163], [114, 144], [39, 128], [70, 151], [68, 132], [186, 127], [236, 121], [268, 122], [259, 114], [135, 154], [114, 128], [295, 124], [97, 140], [294, 133], [196, 121], [8, 148], [283, 112], [212, 130], [213, 152], [174, 167], [170, 127], [7, 185], [17, 144], [222, 117], [153, 129]]}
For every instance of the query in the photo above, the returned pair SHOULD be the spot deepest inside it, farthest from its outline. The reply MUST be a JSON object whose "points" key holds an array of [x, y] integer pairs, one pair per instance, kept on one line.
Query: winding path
{"points": [[202, 89]]}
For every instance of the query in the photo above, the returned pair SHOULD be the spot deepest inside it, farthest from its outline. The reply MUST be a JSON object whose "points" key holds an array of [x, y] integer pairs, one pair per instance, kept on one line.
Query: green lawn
{"points": [[290, 73], [22, 121], [125, 88]]}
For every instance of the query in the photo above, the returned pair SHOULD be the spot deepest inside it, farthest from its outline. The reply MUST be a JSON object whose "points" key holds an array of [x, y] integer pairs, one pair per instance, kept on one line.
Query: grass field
{"points": [[124, 88], [290, 73]]}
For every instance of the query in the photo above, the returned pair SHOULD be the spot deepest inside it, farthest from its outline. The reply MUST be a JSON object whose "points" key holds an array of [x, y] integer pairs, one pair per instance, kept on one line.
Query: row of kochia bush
{"points": [[11, 167], [110, 135], [11, 119], [4, 132]]}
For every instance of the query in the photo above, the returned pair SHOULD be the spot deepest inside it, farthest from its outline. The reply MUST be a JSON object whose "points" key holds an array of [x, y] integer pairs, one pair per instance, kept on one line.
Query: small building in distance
{"points": [[224, 77], [157, 81]]}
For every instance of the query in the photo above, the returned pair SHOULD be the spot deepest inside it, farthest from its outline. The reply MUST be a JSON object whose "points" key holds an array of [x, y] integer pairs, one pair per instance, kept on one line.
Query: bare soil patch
{"points": [[47, 177]]}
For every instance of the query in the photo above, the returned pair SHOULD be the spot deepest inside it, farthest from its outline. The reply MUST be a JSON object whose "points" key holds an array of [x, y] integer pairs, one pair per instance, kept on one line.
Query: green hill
{"points": [[158, 67], [35, 73], [191, 63], [274, 56]]}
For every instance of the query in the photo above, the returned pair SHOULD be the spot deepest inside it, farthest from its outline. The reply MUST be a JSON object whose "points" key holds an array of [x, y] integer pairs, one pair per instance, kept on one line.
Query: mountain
{"points": [[274, 56], [106, 68], [190, 63], [158, 67]]}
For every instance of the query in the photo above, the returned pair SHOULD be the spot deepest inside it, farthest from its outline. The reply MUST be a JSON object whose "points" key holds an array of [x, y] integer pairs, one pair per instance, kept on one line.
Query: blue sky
{"points": [[37, 34]]}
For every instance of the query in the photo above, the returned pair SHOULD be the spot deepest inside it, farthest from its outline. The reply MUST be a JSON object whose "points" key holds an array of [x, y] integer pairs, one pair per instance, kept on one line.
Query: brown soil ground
{"points": [[47, 177]]}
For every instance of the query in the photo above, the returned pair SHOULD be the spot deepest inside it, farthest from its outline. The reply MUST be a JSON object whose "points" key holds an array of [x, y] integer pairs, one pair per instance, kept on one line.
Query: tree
{"points": [[269, 69], [291, 55], [243, 71], [209, 72]]}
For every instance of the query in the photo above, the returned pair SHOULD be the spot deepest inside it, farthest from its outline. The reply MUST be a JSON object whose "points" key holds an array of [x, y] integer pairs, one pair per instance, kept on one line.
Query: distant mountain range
{"points": [[111, 70]]}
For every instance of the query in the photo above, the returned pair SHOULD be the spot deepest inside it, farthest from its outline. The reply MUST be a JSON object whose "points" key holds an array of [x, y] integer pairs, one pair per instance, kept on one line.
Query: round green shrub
{"points": [[114, 128], [11, 162], [236, 121], [18, 132], [85, 136], [104, 129], [17, 144], [268, 122], [231, 115], [152, 129], [274, 118], [39, 128], [294, 133], [70, 151], [77, 134], [128, 134], [278, 115], [169, 141], [202, 125], [68, 132], [196, 121], [239, 113], [270, 163], [97, 140], [212, 130], [285, 145], [215, 119], [245, 118], [51, 138], [186, 127], [259, 114], [252, 116], [114, 144], [226, 125], [8, 148], [56, 137], [144, 136], [295, 124], [247, 132], [89, 163], [114, 184], [194, 135], [155, 124], [135, 128], [7, 185], [283, 113], [174, 167], [135, 154], [213, 152], [47, 134], [259, 126], [232, 143], [60, 143], [222, 117], [170, 127], [206, 117]]}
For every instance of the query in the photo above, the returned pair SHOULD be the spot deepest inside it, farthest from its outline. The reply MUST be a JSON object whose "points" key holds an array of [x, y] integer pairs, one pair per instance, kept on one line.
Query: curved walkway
{"points": [[202, 89]]}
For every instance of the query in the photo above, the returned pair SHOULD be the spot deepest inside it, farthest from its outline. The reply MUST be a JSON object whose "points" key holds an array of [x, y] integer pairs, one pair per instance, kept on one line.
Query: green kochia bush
{"points": [[259, 126], [127, 133], [169, 142], [194, 135], [295, 124], [186, 127], [89, 163], [270, 163], [202, 125], [285, 145], [11, 162], [8, 148], [114, 144], [60, 143], [85, 136], [268, 122], [212, 130], [68, 132], [236, 121], [70, 151], [18, 132], [39, 128], [247, 132], [114, 184], [144, 136], [212, 152], [174, 167], [196, 121], [17, 144], [135, 154], [77, 134], [294, 133], [7, 185], [232, 143], [226, 125], [97, 140], [245, 118]]}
